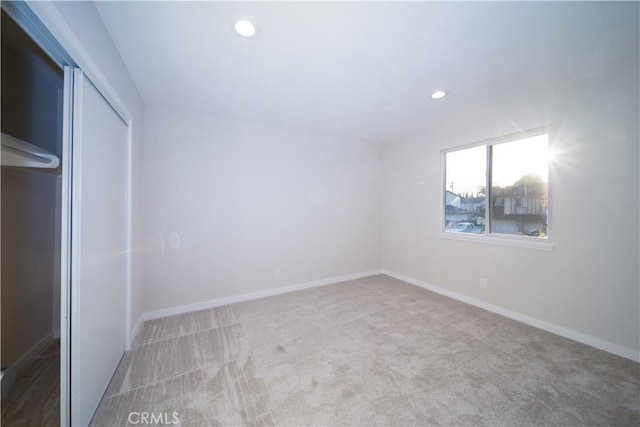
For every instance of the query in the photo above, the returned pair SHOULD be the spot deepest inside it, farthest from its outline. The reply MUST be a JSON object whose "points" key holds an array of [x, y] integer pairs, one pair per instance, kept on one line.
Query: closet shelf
{"points": [[16, 152]]}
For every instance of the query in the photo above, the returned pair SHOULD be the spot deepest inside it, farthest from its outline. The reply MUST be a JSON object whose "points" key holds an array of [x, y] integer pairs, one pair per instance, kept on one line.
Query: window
{"points": [[498, 188]]}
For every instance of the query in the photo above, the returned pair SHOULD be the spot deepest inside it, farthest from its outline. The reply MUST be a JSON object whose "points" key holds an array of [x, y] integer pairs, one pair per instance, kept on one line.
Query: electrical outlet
{"points": [[277, 273], [483, 283]]}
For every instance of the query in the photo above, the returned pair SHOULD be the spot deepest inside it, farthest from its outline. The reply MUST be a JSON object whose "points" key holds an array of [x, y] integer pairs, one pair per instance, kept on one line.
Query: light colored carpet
{"points": [[374, 351]]}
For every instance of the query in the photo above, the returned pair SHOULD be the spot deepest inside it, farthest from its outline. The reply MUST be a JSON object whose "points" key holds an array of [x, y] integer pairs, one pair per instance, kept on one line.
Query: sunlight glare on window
{"points": [[519, 176], [528, 156]]}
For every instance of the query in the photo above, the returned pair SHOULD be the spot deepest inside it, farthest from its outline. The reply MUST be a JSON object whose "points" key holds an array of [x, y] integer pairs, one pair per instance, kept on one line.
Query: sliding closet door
{"points": [[99, 246]]}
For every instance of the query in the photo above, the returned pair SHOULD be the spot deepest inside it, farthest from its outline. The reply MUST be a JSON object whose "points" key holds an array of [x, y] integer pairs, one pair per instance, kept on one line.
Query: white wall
{"points": [[590, 283], [246, 199], [28, 241], [77, 25]]}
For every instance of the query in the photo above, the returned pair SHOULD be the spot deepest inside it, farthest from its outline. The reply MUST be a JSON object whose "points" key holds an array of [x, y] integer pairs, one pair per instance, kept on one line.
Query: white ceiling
{"points": [[363, 70]]}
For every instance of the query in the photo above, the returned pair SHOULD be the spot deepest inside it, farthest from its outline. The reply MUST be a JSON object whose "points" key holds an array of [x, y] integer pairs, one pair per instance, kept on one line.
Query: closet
{"points": [[30, 185], [66, 222]]}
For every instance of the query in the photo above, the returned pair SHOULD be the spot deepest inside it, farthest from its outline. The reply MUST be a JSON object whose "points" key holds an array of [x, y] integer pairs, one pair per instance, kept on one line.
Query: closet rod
{"points": [[16, 152]]}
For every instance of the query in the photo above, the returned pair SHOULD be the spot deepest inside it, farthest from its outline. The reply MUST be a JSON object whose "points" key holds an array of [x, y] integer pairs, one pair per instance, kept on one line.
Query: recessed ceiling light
{"points": [[245, 28], [438, 94]]}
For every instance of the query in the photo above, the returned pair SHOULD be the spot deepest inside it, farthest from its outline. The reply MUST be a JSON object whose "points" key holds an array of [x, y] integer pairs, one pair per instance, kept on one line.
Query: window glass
{"points": [[465, 186], [519, 175], [498, 188]]}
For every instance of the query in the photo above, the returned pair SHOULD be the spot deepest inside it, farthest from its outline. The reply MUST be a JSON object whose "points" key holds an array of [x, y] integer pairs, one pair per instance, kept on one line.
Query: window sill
{"points": [[518, 242]]}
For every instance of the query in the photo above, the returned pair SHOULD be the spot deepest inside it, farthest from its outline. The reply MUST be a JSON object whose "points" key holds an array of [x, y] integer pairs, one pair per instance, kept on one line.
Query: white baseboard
{"points": [[253, 295], [618, 350], [136, 330], [32, 353], [10, 373]]}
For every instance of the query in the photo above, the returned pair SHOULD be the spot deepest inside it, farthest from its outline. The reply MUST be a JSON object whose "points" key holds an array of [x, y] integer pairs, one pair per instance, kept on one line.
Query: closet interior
{"points": [[31, 121]]}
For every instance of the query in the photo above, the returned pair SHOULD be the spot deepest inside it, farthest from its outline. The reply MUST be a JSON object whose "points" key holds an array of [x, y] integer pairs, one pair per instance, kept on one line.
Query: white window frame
{"points": [[529, 242]]}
